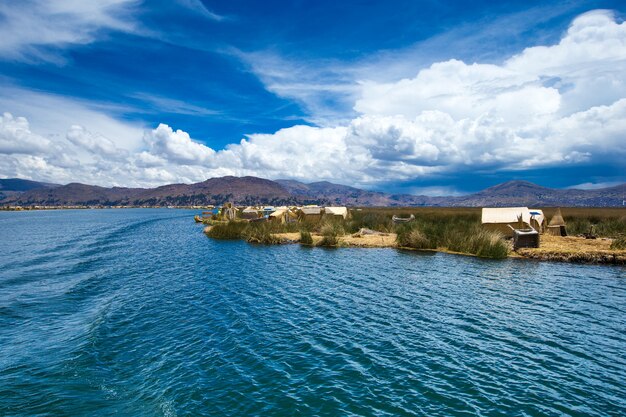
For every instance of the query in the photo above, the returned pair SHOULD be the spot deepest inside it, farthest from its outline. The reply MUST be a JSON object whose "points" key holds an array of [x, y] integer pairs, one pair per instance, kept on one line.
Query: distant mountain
{"points": [[14, 186], [244, 190], [253, 190], [330, 193], [524, 193], [18, 184]]}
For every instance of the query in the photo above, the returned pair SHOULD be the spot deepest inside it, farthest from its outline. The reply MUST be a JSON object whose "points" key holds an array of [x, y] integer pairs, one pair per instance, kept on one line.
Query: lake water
{"points": [[137, 313]]}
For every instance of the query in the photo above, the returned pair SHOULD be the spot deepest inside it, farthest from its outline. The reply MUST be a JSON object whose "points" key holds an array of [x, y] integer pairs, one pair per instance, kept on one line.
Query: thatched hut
{"points": [[556, 227], [505, 219], [250, 213], [336, 212], [310, 213], [283, 215]]}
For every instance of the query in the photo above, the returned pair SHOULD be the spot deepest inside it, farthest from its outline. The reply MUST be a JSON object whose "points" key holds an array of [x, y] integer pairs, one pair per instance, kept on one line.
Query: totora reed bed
{"points": [[453, 230]]}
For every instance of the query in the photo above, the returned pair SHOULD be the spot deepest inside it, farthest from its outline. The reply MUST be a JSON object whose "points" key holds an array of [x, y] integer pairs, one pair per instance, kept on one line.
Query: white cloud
{"points": [[436, 191], [463, 91], [323, 88], [32, 29], [587, 68], [326, 89], [595, 185], [535, 110], [97, 144], [177, 146], [54, 114], [79, 155], [369, 151], [169, 105], [16, 137], [199, 7]]}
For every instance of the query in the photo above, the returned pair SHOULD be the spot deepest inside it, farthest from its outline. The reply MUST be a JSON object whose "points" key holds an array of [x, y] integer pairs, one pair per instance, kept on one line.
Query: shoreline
{"points": [[553, 249], [574, 249]]}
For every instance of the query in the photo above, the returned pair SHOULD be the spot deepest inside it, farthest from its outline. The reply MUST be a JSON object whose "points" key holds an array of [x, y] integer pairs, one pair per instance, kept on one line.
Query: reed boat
{"points": [[397, 219], [206, 215]]}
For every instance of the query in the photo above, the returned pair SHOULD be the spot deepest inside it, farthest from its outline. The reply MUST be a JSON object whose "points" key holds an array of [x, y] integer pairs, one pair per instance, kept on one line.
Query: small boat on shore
{"points": [[397, 219], [206, 215]]}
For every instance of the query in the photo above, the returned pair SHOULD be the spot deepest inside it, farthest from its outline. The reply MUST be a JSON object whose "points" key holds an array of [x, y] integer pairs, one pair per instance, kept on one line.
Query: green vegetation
{"points": [[599, 226], [483, 243], [332, 228], [259, 233], [230, 230], [330, 231], [457, 233], [413, 237], [305, 237], [329, 241], [619, 243], [375, 219]]}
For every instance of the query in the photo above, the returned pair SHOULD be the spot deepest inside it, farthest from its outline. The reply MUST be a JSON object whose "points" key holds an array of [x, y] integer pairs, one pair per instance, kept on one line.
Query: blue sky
{"points": [[124, 92]]}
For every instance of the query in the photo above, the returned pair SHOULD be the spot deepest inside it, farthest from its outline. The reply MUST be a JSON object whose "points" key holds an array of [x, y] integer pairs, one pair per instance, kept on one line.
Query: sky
{"points": [[420, 97]]}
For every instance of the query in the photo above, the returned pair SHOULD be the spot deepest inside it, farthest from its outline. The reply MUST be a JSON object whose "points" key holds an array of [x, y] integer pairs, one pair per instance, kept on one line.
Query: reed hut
{"points": [[283, 215], [336, 212], [250, 213], [505, 219], [310, 213], [556, 227]]}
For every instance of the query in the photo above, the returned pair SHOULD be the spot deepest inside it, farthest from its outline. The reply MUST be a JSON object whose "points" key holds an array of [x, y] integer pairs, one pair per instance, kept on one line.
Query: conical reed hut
{"points": [[556, 227]]}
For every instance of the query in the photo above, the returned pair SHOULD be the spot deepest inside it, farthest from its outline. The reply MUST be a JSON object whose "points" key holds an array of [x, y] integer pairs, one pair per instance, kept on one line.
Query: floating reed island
{"points": [[588, 235]]}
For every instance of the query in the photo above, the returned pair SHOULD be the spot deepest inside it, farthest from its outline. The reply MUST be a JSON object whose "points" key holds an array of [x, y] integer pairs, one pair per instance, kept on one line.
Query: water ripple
{"points": [[135, 312]]}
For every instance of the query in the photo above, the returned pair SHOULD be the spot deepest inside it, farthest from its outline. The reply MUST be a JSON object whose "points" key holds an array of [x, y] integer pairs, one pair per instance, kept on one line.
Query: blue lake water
{"points": [[137, 313]]}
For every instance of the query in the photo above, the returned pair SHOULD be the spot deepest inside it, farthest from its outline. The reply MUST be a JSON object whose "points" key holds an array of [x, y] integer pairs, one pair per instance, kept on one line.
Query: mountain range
{"points": [[253, 191], [10, 187]]}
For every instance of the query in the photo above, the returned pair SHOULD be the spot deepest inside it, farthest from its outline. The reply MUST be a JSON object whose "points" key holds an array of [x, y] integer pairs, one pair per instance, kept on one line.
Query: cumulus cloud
{"points": [[556, 105], [584, 69], [96, 144], [177, 147], [16, 137], [54, 114], [78, 154]]}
